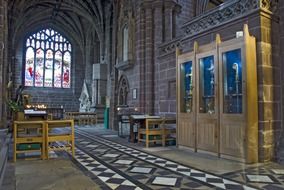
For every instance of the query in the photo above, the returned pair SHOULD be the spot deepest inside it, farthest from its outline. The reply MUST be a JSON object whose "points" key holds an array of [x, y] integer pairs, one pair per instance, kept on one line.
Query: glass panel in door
{"points": [[207, 85]]}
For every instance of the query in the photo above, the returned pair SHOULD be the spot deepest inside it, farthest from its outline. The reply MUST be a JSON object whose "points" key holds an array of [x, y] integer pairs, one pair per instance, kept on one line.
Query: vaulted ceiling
{"points": [[74, 18]]}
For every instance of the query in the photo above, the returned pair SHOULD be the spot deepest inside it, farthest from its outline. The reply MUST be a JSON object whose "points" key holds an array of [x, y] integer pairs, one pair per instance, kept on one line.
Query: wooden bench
{"points": [[82, 118], [64, 140]]}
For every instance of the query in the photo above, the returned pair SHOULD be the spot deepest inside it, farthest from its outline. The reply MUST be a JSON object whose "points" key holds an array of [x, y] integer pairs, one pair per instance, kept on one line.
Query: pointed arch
{"points": [[123, 90], [47, 59], [205, 5]]}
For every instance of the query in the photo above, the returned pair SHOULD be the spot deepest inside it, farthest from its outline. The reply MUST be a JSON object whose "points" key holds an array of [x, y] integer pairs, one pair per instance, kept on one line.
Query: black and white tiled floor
{"points": [[123, 167], [108, 176], [139, 172], [268, 176]]}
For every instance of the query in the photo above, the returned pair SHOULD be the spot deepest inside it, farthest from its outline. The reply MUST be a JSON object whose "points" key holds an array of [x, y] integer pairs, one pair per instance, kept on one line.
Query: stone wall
{"points": [[186, 12], [3, 62]]}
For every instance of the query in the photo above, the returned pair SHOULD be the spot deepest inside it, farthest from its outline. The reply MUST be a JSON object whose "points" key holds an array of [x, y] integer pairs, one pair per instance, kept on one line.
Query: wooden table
{"points": [[151, 126], [140, 122]]}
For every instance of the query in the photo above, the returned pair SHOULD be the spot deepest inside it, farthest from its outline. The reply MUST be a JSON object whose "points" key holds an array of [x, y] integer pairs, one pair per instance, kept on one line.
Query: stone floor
{"points": [[167, 167], [51, 174], [105, 161]]}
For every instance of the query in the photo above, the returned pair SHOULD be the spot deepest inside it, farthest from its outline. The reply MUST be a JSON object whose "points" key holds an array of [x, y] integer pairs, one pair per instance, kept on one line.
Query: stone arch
{"points": [[125, 35], [205, 5], [123, 90]]}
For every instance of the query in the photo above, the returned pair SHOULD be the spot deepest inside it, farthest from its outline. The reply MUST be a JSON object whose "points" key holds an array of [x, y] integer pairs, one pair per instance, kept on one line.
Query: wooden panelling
{"points": [[232, 137], [186, 131], [207, 134]]}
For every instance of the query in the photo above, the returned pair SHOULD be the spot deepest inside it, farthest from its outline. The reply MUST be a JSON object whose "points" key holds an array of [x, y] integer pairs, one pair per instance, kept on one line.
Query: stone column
{"points": [[114, 73], [158, 39], [140, 54], [88, 68], [149, 64], [3, 62], [278, 37], [169, 5], [99, 84], [269, 88]]}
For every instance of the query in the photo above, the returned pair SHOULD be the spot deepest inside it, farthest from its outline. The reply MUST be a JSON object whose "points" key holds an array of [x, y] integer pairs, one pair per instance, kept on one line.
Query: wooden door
{"points": [[232, 96], [186, 100], [207, 101]]}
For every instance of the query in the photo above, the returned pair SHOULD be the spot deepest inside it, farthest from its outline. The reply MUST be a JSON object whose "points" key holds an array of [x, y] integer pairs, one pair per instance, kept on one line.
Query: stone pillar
{"points": [[158, 39], [3, 62], [279, 37], [140, 54], [269, 88], [88, 68], [99, 84], [149, 64], [169, 5], [114, 79]]}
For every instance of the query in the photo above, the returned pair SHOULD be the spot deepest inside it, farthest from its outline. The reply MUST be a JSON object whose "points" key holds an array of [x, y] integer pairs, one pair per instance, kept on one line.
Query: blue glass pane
{"points": [[232, 63], [206, 88], [186, 69]]}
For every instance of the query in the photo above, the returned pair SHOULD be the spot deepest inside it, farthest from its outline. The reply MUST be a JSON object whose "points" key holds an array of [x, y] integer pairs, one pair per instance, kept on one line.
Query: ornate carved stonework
{"points": [[225, 13], [125, 35], [123, 90], [169, 47], [229, 11]]}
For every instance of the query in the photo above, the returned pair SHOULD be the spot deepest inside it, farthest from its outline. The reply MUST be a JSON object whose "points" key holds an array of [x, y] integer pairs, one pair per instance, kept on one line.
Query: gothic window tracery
{"points": [[123, 90], [47, 60], [125, 36]]}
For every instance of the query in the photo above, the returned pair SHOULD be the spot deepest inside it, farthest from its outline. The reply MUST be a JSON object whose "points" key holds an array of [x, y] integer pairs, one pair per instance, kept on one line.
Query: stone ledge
{"points": [[125, 65]]}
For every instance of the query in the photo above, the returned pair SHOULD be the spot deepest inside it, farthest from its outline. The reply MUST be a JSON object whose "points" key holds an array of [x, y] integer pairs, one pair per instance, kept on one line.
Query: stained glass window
{"points": [[47, 60]]}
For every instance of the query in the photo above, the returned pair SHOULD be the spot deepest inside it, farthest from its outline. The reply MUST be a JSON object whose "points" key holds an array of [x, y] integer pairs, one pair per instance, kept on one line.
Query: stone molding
{"points": [[169, 47], [227, 12]]}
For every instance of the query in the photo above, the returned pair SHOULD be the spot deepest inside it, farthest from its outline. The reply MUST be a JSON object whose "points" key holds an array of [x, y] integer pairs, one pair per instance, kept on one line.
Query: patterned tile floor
{"points": [[119, 166]]}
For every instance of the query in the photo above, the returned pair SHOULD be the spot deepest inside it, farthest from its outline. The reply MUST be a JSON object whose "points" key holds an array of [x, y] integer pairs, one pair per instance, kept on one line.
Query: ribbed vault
{"points": [[71, 17]]}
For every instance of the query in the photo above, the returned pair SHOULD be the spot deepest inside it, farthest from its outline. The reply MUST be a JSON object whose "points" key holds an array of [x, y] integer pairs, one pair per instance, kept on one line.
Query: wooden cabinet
{"points": [[43, 137], [29, 136], [217, 98], [60, 136]]}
